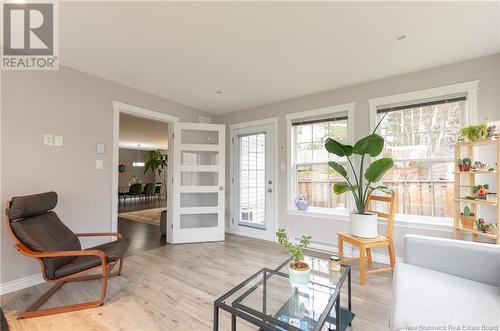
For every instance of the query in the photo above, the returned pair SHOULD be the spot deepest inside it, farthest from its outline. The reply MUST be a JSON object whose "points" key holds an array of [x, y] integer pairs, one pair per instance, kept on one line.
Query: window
{"points": [[311, 177], [420, 137], [253, 179]]}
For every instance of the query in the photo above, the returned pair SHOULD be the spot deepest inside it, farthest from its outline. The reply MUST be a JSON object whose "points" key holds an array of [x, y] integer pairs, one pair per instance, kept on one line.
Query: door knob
{"points": [[269, 190], [221, 188]]}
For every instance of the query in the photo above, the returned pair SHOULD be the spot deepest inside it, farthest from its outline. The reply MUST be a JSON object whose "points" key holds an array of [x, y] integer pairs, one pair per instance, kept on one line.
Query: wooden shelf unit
{"points": [[459, 200]]}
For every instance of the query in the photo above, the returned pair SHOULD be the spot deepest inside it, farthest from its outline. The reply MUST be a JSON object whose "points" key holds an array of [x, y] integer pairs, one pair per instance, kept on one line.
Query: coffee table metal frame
{"points": [[266, 322]]}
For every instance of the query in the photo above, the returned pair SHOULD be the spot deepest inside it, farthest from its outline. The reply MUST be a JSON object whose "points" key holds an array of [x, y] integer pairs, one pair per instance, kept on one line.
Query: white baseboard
{"points": [[21, 283], [350, 252]]}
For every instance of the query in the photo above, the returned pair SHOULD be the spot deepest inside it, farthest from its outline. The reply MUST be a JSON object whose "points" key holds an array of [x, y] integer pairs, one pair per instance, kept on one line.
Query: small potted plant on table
{"points": [[299, 271]]}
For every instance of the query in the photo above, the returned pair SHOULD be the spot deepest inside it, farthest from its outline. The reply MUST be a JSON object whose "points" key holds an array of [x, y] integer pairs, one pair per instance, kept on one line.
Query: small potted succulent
{"points": [[485, 228], [466, 164], [299, 271], [467, 218], [480, 191], [460, 164]]}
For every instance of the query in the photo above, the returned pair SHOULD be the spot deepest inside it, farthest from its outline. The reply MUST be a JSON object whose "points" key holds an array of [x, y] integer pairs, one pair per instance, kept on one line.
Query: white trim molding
{"points": [[120, 107], [469, 88], [21, 283], [343, 108], [274, 122]]}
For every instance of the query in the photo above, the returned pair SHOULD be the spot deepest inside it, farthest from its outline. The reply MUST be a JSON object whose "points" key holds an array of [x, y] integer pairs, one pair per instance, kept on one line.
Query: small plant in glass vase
{"points": [[299, 271], [361, 183]]}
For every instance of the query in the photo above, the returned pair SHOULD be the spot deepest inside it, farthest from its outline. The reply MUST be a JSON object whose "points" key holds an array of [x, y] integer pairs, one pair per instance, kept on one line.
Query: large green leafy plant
{"points": [[156, 162], [362, 183]]}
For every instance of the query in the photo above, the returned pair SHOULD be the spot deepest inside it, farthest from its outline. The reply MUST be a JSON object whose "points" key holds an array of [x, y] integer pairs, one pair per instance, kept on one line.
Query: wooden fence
{"points": [[425, 197]]}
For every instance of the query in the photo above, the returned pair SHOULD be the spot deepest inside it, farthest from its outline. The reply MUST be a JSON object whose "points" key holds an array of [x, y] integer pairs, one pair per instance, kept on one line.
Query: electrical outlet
{"points": [[99, 164], [48, 139], [58, 141]]}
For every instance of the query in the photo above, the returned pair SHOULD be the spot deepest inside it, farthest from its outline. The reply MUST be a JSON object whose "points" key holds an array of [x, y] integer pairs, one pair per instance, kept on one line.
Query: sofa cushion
{"points": [[424, 297], [113, 251]]}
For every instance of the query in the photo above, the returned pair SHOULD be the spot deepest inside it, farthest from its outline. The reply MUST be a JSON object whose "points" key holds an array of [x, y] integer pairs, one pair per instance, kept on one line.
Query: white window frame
{"points": [[467, 117], [291, 175]]}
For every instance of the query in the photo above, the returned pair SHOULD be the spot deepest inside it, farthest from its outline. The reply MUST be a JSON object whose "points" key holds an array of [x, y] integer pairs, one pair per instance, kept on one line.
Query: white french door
{"points": [[196, 168], [253, 181]]}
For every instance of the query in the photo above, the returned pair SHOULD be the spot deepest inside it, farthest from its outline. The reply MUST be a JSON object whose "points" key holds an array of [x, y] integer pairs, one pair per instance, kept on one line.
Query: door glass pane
{"points": [[252, 180], [210, 199], [192, 221], [199, 137], [199, 158], [194, 178]]}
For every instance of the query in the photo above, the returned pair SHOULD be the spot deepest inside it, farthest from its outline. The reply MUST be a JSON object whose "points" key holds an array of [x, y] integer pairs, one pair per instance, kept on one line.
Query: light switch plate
{"points": [[101, 148], [48, 139], [99, 164], [58, 140]]}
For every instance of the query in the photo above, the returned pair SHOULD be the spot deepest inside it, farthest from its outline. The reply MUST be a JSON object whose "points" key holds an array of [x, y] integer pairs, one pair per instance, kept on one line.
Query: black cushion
{"points": [[113, 251], [31, 205], [46, 232]]}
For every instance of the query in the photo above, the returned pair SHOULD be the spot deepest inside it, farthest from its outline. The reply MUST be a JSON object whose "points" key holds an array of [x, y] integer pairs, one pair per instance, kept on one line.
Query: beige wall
{"points": [[77, 106], [485, 69]]}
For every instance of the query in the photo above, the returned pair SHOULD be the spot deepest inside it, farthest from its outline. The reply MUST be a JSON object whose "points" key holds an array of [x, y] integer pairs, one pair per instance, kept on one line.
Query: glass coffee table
{"points": [[268, 300]]}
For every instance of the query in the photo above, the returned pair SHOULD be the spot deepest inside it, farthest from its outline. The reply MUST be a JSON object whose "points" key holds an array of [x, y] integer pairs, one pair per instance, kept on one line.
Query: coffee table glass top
{"points": [[271, 297]]}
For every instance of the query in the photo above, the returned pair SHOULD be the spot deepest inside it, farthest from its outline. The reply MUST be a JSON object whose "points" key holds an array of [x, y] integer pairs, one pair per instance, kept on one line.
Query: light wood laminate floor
{"points": [[173, 288]]}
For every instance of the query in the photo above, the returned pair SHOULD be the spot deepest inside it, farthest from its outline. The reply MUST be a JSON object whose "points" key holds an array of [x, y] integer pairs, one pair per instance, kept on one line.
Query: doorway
{"points": [[195, 177], [254, 180], [139, 190]]}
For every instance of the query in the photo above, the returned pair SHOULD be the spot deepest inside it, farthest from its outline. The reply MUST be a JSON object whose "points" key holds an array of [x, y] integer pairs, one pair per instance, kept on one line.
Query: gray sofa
{"points": [[444, 283]]}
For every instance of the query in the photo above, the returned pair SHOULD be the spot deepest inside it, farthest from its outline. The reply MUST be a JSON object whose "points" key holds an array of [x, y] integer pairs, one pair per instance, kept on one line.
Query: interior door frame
{"points": [[274, 122], [119, 108]]}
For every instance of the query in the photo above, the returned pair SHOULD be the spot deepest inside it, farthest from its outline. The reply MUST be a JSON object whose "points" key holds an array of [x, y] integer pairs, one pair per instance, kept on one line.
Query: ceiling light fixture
{"points": [[139, 163], [399, 37]]}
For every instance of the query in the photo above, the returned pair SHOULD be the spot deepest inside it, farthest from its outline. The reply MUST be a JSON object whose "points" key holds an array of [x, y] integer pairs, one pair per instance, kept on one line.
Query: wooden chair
{"points": [[365, 245], [40, 234]]}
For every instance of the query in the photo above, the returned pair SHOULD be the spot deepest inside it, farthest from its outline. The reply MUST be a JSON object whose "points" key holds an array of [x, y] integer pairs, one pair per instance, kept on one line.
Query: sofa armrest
{"points": [[471, 260]]}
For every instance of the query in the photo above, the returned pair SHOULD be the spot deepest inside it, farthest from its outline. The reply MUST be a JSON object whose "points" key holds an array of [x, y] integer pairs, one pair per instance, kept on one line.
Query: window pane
{"points": [[421, 140], [252, 179], [315, 178]]}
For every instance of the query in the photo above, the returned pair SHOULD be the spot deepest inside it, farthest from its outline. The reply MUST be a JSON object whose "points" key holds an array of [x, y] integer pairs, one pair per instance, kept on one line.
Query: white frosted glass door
{"points": [[196, 209], [253, 208]]}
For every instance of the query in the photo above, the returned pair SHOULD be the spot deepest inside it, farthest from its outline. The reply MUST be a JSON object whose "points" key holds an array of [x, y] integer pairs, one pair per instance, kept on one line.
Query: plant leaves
{"points": [[338, 168], [378, 168], [339, 149], [341, 187], [371, 145], [383, 188]]}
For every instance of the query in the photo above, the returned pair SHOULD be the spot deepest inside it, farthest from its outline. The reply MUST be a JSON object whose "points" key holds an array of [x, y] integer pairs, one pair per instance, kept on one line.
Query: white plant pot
{"points": [[364, 225], [299, 277]]}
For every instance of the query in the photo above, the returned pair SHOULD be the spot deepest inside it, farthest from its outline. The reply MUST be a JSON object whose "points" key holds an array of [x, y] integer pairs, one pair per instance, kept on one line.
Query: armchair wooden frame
{"points": [[107, 268], [365, 245]]}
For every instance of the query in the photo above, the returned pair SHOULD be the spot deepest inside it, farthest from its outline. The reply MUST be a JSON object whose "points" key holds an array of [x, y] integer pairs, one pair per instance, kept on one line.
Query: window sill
{"points": [[320, 213], [409, 221]]}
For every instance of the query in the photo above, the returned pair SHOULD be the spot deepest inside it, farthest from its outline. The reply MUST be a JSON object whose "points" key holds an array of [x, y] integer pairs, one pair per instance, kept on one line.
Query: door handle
{"points": [[221, 188], [269, 190]]}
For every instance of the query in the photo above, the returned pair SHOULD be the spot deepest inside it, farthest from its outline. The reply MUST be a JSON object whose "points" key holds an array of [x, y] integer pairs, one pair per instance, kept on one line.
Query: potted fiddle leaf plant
{"points": [[299, 271], [363, 182]]}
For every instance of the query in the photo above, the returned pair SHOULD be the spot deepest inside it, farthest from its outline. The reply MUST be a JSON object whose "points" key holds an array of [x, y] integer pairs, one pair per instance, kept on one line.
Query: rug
{"points": [[151, 216]]}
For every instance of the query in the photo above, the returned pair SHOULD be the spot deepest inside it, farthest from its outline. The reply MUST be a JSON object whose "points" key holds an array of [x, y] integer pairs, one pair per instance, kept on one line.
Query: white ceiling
{"points": [[149, 134], [263, 52]]}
